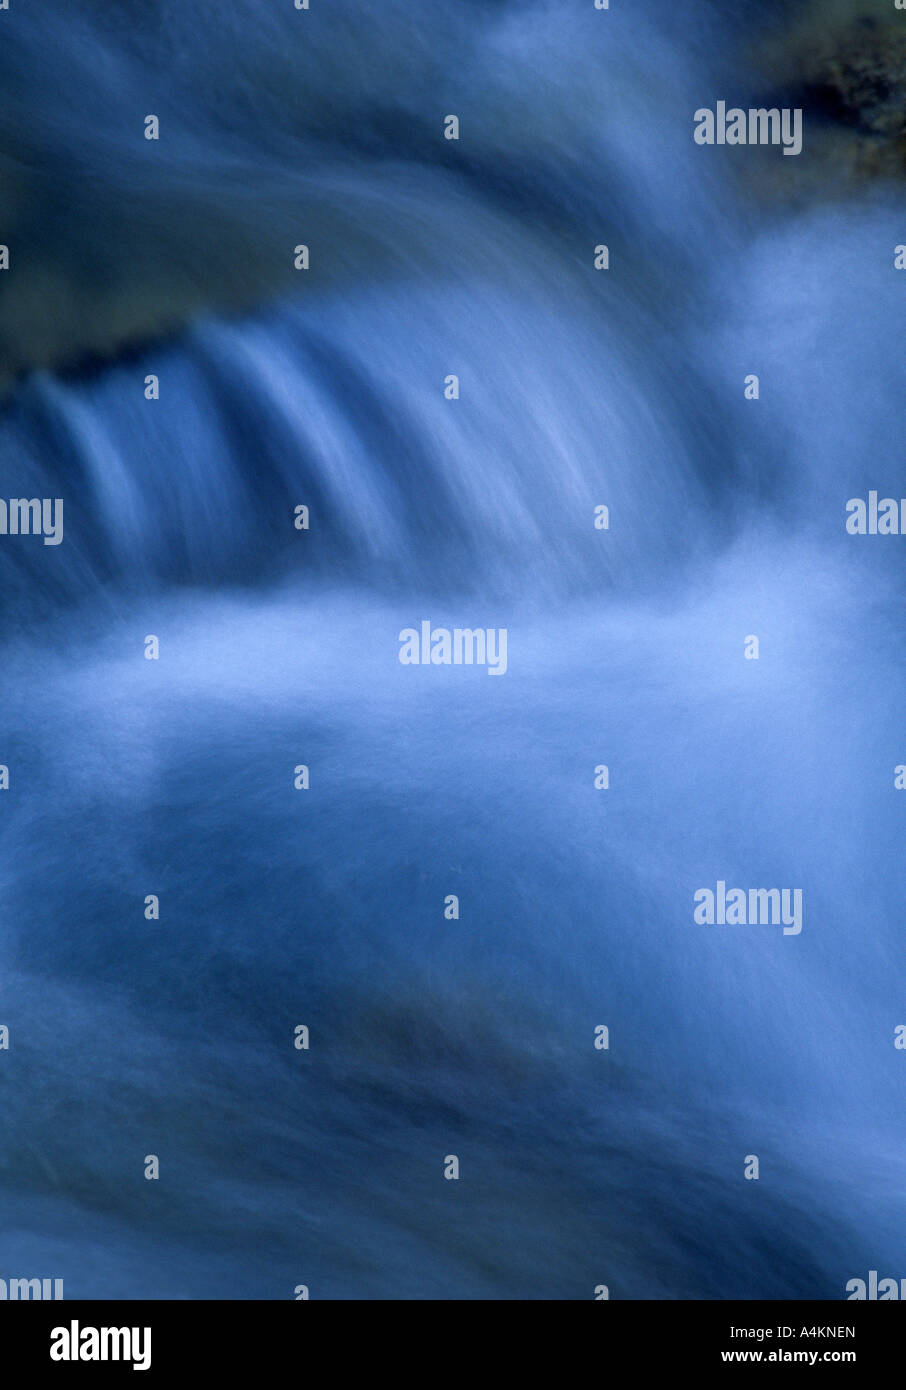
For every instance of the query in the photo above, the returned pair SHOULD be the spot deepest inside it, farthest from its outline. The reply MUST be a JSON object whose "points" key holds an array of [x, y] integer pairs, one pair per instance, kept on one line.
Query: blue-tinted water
{"points": [[128, 777]]}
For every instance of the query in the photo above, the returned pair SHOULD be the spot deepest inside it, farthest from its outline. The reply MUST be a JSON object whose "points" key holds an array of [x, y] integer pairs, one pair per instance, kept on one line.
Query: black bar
{"points": [[230, 1339]]}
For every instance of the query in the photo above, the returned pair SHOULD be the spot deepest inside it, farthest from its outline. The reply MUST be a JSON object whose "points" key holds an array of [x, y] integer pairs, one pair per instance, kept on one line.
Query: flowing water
{"points": [[432, 1037]]}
